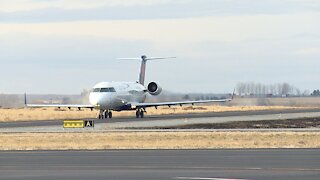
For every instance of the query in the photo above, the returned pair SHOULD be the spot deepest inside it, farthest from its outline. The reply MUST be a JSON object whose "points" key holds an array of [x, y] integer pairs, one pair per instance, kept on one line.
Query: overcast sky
{"points": [[64, 46]]}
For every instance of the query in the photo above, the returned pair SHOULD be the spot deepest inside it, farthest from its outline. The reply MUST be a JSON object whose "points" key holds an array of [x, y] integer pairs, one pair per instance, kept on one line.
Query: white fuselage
{"points": [[116, 95]]}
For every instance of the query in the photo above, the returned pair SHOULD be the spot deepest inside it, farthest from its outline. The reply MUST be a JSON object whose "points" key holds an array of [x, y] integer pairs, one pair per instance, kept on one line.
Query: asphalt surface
{"points": [[293, 164], [158, 117]]}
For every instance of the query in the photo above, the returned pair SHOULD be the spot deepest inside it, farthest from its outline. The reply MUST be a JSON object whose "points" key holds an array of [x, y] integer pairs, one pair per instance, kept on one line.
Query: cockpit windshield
{"points": [[96, 89], [110, 89]]}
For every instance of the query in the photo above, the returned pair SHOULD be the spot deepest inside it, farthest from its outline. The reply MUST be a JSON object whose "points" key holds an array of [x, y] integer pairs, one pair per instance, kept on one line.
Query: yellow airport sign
{"points": [[88, 123], [73, 124]]}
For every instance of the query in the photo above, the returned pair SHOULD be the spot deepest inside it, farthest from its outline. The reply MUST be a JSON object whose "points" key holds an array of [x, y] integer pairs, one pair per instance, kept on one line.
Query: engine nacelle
{"points": [[154, 89]]}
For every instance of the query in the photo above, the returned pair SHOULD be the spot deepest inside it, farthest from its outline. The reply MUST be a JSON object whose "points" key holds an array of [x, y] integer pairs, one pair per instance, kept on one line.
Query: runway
{"points": [[122, 123], [162, 117], [293, 164]]}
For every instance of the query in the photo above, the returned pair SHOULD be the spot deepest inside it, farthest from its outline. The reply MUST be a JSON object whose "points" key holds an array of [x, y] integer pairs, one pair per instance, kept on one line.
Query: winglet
{"points": [[234, 93], [25, 99]]}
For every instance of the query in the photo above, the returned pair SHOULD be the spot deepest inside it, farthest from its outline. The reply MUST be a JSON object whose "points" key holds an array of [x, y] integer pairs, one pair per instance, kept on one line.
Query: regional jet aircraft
{"points": [[125, 96]]}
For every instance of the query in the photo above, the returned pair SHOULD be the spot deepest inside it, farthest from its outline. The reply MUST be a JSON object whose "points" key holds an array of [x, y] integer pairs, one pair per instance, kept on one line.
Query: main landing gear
{"points": [[104, 114], [140, 113]]}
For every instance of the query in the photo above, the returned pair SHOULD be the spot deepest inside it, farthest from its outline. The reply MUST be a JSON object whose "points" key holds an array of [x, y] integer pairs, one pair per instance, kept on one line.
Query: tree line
{"points": [[278, 89], [315, 93]]}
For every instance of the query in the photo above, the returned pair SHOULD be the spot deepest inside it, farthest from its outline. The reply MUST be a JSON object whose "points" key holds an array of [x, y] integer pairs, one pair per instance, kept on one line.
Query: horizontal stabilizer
{"points": [[151, 58], [144, 60]]}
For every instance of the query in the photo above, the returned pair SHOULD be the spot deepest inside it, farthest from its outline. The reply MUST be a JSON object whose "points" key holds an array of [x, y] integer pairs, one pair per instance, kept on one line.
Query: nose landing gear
{"points": [[104, 114]]}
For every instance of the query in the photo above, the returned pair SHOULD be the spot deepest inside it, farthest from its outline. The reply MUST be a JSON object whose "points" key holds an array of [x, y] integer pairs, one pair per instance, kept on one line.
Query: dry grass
{"points": [[31, 114], [291, 101], [42, 114], [156, 140]]}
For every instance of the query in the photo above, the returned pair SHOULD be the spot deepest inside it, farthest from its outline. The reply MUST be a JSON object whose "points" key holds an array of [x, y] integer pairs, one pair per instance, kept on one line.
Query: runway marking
{"points": [[203, 178]]}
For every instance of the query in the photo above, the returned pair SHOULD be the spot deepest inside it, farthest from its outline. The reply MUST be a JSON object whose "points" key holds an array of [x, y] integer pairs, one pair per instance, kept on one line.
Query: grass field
{"points": [[290, 101], [156, 140], [27, 114]]}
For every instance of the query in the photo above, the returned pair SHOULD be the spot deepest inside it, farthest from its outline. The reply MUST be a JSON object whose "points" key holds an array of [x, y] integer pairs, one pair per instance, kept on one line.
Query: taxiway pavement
{"points": [[258, 164]]}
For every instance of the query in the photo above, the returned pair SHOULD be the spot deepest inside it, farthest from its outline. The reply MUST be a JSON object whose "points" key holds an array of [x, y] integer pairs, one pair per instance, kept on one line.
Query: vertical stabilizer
{"points": [[144, 60], [143, 69]]}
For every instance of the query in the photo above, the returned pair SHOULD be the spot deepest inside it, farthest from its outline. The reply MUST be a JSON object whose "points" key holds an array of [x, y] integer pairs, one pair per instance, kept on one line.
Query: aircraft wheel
{"points": [[137, 113], [141, 114], [105, 115], [110, 114], [101, 114]]}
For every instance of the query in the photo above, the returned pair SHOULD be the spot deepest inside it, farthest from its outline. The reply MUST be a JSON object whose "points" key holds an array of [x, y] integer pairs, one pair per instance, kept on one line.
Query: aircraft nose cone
{"points": [[95, 99], [99, 100]]}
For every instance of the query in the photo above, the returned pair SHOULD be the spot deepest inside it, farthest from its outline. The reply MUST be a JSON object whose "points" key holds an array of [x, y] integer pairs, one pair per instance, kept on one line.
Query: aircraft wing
{"points": [[61, 105], [79, 106], [144, 105]]}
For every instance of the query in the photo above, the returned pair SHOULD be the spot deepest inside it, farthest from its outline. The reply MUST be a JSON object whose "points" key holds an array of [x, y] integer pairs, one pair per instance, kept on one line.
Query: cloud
{"points": [[167, 32], [220, 51], [309, 51], [59, 64], [80, 10], [223, 41], [30, 5]]}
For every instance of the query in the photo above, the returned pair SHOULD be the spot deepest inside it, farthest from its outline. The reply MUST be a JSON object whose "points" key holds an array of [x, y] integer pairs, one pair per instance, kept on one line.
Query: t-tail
{"points": [[142, 74], [144, 60]]}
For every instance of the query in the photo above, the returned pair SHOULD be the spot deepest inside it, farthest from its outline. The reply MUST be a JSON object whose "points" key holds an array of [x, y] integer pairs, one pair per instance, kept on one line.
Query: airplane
{"points": [[125, 96]]}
